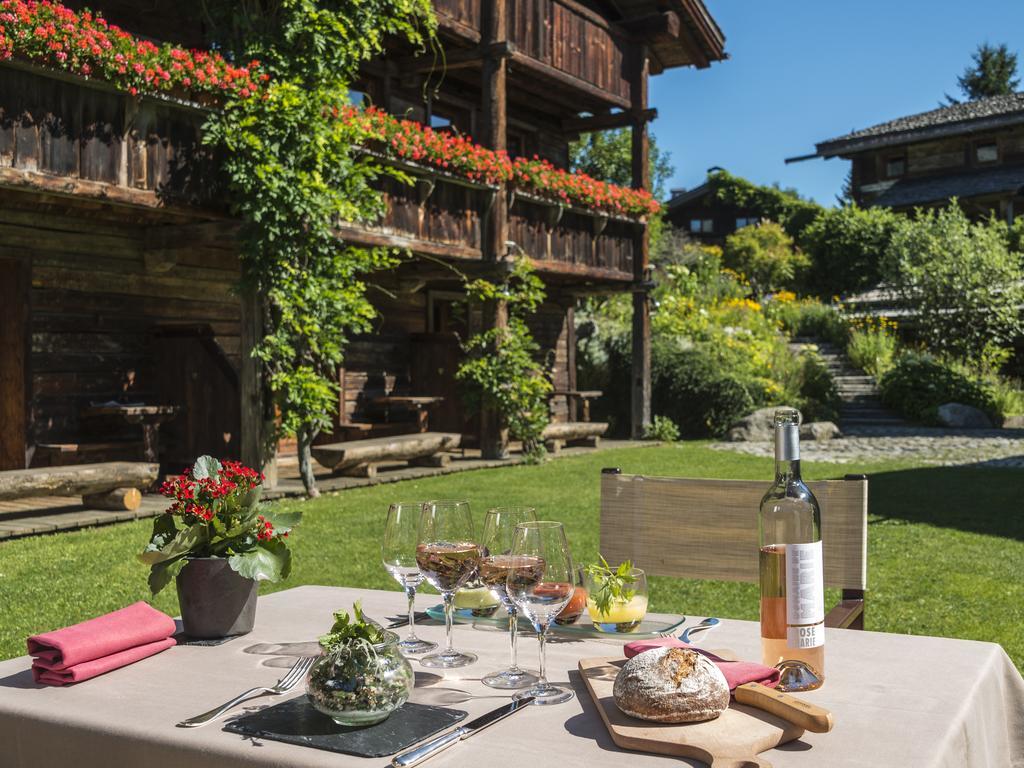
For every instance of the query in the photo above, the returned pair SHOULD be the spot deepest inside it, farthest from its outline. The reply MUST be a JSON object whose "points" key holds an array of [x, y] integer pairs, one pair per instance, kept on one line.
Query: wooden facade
{"points": [[119, 267], [972, 151]]}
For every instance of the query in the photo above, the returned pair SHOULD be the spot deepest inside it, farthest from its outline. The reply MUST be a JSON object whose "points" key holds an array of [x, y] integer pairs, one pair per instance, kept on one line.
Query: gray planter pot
{"points": [[215, 601]]}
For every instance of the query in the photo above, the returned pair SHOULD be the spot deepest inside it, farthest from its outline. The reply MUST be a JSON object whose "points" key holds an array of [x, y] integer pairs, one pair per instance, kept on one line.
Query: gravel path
{"points": [[927, 445]]}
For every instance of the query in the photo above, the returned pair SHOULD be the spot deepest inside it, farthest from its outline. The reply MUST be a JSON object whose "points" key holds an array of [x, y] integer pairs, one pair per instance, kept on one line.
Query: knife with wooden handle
{"points": [[791, 709]]}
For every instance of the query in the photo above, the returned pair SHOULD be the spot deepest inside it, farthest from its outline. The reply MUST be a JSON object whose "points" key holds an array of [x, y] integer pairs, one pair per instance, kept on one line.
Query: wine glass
{"points": [[448, 555], [541, 580], [401, 534], [499, 527]]}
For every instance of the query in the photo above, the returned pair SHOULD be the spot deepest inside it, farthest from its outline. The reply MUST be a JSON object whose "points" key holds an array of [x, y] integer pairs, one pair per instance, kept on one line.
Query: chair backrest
{"points": [[707, 529]]}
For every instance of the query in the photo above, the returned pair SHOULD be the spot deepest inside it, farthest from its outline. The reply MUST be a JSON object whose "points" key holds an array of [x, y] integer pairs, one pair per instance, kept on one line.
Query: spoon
{"points": [[707, 624]]}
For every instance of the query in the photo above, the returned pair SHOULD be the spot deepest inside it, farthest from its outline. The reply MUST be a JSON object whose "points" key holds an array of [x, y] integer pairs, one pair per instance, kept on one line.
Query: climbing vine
{"points": [[501, 370], [294, 169]]}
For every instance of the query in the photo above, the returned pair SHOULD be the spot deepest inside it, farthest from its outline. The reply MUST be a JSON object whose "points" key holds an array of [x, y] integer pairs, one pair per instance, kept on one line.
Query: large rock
{"points": [[758, 426], [819, 430], [963, 416]]}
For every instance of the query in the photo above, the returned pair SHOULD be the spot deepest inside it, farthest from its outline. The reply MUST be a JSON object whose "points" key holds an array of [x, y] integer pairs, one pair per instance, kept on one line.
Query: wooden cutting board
{"points": [[733, 740]]}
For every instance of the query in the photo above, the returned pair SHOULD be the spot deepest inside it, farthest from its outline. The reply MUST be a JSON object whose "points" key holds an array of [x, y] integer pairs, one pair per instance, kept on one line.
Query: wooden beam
{"points": [[584, 271], [459, 58], [217, 234], [655, 27], [546, 71], [362, 236], [610, 120], [641, 330]]}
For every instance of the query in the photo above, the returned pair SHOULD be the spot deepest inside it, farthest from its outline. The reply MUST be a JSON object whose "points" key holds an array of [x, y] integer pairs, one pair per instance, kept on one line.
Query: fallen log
{"points": [[77, 480]]}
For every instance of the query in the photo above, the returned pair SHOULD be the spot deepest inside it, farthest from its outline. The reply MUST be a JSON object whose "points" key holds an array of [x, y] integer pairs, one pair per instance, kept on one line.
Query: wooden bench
{"points": [[359, 458], [108, 485], [558, 433]]}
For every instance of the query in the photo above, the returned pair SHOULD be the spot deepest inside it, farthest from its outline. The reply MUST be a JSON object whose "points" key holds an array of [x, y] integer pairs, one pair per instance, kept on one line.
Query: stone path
{"points": [[925, 445]]}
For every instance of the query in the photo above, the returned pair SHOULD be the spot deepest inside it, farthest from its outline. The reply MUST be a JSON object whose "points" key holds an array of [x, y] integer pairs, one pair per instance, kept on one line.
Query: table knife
{"points": [[418, 754]]}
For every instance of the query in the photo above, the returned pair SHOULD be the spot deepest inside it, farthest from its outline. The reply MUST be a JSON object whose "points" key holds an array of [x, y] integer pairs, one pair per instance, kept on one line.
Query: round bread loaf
{"points": [[671, 685]]}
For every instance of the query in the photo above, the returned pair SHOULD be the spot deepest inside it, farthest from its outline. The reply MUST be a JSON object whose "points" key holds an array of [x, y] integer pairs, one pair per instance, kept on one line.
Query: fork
{"points": [[285, 684]]}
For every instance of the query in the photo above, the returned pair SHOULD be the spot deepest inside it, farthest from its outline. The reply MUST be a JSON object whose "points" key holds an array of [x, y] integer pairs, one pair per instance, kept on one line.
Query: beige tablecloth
{"points": [[898, 700]]}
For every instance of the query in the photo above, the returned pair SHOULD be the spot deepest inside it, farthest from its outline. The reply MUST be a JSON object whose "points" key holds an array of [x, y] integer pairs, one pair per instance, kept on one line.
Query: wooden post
{"points": [[641, 382], [15, 344], [493, 433]]}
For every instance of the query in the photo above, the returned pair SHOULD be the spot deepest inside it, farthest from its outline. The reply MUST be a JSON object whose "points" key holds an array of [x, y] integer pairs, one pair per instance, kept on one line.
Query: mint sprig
{"points": [[613, 583]]}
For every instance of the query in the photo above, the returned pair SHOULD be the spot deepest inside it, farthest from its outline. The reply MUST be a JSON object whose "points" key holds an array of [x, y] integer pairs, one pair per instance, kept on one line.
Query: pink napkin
{"points": [[736, 672], [99, 645]]}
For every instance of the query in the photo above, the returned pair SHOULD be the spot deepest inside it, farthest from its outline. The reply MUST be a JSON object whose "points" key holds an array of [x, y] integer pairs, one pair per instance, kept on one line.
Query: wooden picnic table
{"points": [[149, 417], [421, 404], [584, 396], [897, 700]]}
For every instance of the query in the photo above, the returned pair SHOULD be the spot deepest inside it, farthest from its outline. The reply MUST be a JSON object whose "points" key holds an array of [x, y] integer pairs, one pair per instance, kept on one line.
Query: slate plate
{"points": [[296, 722], [648, 629]]}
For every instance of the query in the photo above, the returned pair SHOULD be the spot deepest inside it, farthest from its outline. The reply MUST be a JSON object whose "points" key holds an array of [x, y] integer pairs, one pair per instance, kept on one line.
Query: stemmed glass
{"points": [[401, 535], [499, 527], [541, 580], [448, 555]]}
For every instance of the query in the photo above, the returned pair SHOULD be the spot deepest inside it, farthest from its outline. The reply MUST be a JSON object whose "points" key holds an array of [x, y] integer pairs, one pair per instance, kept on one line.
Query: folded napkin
{"points": [[99, 645], [736, 672]]}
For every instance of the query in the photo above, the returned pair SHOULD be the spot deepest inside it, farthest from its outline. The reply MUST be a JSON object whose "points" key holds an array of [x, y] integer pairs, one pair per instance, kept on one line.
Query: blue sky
{"points": [[801, 72]]}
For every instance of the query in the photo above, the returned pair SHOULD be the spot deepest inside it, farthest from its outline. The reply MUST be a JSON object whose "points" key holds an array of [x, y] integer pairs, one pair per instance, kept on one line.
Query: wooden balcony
{"points": [[553, 39]]}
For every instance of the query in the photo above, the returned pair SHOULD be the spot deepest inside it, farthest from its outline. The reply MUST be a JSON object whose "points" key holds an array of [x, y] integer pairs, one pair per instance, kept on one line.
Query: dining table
{"points": [[897, 700]]}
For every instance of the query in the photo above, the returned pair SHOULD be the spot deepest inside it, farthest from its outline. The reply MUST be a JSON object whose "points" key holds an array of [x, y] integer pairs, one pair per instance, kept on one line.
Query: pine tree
{"points": [[992, 73]]}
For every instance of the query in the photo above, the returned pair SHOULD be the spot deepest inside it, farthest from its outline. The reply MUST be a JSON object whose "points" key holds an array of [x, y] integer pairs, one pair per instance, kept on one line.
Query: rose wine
{"points": [[495, 571], [792, 590], [448, 565]]}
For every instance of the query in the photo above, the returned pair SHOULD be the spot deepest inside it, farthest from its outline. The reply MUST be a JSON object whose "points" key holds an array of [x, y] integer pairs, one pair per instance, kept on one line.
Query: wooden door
{"points": [[14, 315], [435, 358]]}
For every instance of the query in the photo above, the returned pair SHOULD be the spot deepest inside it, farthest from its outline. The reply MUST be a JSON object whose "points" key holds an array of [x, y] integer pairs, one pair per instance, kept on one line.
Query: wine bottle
{"points": [[792, 588]]}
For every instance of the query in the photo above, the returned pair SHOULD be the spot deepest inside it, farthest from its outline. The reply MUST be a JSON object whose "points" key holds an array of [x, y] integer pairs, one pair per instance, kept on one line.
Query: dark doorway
{"points": [[15, 285]]}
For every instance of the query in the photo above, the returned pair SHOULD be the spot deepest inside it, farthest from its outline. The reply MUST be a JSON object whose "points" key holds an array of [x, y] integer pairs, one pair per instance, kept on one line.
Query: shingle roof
{"points": [[958, 118], [933, 189]]}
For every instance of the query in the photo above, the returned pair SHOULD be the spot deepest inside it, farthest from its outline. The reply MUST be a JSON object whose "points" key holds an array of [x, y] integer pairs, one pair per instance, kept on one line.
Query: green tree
{"points": [[845, 246], [769, 202], [294, 169], [608, 156], [965, 284], [992, 72], [765, 254]]}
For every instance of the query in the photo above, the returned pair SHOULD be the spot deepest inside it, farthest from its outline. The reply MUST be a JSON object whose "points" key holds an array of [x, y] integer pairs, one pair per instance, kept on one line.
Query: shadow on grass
{"points": [[975, 498]]}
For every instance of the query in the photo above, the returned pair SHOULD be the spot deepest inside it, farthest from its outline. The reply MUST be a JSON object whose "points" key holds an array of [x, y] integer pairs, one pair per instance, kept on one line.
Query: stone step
{"points": [[859, 378]]}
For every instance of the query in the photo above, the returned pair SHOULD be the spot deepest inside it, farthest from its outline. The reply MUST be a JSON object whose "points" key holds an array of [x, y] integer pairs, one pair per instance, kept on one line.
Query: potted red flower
{"points": [[218, 542]]}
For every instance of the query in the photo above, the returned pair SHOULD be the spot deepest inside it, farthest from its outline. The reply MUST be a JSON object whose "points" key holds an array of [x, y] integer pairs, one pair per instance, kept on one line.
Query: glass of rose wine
{"points": [[498, 561], [448, 555], [540, 582], [398, 551]]}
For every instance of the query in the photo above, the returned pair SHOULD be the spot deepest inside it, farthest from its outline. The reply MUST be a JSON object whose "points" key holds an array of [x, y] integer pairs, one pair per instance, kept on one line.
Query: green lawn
{"points": [[946, 546]]}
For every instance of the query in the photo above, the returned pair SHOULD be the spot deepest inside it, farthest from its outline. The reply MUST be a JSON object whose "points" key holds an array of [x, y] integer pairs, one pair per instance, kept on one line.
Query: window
{"points": [[705, 226], [745, 222], [986, 153], [895, 166]]}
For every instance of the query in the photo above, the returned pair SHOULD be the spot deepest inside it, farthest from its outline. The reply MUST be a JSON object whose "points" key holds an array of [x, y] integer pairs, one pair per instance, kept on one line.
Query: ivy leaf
{"points": [[205, 466], [270, 561]]}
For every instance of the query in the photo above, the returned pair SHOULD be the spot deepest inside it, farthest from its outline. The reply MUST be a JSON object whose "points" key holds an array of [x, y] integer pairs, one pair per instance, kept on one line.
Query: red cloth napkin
{"points": [[736, 672], [99, 645]]}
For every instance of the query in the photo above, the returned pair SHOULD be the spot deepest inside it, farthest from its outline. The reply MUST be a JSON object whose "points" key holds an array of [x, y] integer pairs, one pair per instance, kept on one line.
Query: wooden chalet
{"points": [[118, 262], [973, 151], [704, 217]]}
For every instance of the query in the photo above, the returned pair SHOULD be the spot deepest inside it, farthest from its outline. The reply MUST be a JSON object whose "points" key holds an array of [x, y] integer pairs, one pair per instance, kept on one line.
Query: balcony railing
{"points": [[556, 33]]}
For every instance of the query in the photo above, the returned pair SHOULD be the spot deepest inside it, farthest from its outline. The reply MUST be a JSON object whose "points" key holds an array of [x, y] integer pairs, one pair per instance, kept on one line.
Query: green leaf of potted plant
{"points": [[218, 542]]}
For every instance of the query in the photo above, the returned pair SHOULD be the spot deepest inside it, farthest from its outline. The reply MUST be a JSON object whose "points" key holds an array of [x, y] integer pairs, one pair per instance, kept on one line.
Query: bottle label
{"points": [[805, 596]]}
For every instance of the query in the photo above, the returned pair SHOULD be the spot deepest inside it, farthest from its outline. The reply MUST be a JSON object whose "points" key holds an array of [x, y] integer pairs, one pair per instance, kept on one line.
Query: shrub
{"points": [[690, 389], [818, 397], [662, 428], [807, 318], [872, 344], [962, 279], [845, 246], [919, 383], [765, 254]]}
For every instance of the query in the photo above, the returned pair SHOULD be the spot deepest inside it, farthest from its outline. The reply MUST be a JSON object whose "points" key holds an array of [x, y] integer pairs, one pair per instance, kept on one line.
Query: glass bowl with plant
{"points": [[361, 676], [616, 597]]}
